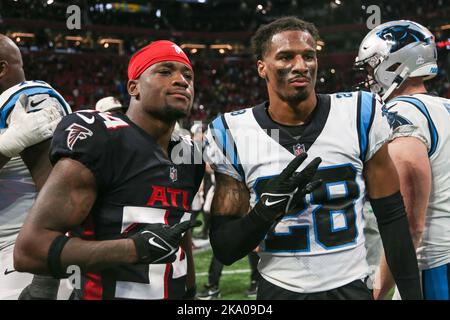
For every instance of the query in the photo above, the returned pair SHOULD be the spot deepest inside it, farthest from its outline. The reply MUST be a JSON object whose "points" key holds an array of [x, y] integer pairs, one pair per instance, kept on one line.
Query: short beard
{"points": [[169, 114], [299, 97]]}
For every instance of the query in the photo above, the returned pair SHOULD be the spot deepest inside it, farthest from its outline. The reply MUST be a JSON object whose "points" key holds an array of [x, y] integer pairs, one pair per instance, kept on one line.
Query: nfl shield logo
{"points": [[299, 149], [173, 174]]}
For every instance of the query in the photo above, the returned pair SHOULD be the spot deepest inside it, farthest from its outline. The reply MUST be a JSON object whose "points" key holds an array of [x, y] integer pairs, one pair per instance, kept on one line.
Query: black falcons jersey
{"points": [[136, 184]]}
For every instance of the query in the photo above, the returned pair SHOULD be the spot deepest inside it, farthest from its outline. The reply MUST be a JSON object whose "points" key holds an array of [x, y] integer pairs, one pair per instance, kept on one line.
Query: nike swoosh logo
{"points": [[86, 119], [153, 243], [268, 203], [35, 104], [9, 271]]}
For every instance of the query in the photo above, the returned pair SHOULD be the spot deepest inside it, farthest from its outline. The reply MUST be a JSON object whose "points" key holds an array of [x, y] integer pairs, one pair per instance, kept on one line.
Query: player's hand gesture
{"points": [[285, 191], [27, 129], [158, 242]]}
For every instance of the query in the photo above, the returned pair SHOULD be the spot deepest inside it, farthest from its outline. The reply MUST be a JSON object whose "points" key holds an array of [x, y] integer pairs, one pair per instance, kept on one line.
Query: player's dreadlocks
{"points": [[260, 40]]}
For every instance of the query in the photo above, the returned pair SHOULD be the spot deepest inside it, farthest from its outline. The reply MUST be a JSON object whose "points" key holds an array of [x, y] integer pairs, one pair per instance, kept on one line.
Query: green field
{"points": [[232, 286]]}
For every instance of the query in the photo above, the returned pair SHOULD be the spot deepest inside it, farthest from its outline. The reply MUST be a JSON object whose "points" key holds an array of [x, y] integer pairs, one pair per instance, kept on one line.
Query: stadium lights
{"points": [[192, 46], [442, 44], [319, 45], [74, 38], [20, 35], [50, 1], [194, 51], [338, 2], [158, 13], [193, 1], [77, 40], [221, 46], [111, 40]]}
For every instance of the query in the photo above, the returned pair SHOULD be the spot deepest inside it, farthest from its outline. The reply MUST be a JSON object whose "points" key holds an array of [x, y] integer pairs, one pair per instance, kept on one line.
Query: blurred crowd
{"points": [[214, 15], [86, 70], [221, 85]]}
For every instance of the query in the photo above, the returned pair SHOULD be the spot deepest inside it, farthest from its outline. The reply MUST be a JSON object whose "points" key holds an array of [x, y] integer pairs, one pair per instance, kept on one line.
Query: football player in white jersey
{"points": [[311, 247], [399, 56], [29, 113]]}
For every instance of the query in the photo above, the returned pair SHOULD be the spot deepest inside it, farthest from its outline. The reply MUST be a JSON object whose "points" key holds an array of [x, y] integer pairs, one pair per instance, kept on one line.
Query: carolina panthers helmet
{"points": [[396, 51]]}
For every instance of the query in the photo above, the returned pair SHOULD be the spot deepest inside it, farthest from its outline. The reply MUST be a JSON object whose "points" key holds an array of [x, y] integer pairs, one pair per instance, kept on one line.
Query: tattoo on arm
{"points": [[231, 197]]}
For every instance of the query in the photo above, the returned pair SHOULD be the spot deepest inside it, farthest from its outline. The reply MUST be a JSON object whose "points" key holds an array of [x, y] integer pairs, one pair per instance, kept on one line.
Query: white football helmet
{"points": [[396, 51]]}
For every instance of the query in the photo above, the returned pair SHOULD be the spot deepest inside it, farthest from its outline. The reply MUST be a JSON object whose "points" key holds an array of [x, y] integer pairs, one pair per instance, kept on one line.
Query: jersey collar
{"points": [[312, 129]]}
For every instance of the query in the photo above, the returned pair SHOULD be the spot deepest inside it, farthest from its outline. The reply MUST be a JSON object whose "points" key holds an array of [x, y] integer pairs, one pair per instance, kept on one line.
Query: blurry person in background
{"points": [[399, 56], [29, 114], [109, 104]]}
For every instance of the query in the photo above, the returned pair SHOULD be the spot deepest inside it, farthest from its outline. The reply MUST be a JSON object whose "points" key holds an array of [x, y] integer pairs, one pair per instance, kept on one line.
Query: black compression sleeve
{"points": [[233, 237], [398, 245]]}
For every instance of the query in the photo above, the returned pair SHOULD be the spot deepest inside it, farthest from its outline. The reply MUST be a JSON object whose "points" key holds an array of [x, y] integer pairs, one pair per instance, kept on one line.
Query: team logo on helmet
{"points": [[420, 60], [77, 132], [401, 36]]}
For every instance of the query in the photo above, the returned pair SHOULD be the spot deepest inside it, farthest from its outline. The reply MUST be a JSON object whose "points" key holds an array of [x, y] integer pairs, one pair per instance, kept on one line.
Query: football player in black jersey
{"points": [[118, 192]]}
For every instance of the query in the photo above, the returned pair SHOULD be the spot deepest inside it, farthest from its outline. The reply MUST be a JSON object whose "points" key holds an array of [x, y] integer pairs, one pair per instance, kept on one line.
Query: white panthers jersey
{"points": [[319, 245], [427, 118], [17, 191]]}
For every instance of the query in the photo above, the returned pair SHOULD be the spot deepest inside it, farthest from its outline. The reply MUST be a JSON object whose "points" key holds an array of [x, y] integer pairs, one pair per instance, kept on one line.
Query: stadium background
{"points": [[87, 64]]}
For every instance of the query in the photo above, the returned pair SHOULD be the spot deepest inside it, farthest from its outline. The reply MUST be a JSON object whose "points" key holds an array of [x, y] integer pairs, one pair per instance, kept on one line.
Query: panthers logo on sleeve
{"points": [[394, 119]]}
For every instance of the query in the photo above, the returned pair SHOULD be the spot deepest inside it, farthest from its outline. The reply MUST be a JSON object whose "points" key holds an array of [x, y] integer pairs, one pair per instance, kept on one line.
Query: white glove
{"points": [[27, 129]]}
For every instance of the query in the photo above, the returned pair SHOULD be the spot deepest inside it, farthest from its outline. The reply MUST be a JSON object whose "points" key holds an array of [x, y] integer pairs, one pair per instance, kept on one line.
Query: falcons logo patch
{"points": [[77, 132]]}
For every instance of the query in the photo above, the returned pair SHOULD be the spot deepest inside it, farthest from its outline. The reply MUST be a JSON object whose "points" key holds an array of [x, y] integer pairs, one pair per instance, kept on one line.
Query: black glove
{"points": [[40, 288], [158, 242], [285, 191]]}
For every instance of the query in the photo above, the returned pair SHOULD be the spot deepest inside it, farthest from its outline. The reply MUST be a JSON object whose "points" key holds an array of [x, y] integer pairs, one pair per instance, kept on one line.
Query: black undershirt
{"points": [[296, 131]]}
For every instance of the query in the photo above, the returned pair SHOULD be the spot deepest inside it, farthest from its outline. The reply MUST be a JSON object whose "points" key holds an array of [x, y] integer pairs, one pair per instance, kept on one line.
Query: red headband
{"points": [[155, 52]]}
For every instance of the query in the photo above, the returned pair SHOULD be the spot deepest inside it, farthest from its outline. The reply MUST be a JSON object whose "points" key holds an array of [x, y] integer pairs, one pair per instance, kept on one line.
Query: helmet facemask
{"points": [[394, 52], [367, 67]]}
